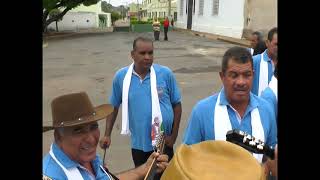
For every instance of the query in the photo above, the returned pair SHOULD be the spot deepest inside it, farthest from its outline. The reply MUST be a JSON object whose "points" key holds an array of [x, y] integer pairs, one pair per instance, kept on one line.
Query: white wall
{"points": [[182, 20], [109, 20], [229, 21], [77, 20]]}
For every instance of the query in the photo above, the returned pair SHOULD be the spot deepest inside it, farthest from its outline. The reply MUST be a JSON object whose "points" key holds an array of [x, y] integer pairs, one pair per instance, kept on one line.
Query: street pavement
{"points": [[88, 63]]}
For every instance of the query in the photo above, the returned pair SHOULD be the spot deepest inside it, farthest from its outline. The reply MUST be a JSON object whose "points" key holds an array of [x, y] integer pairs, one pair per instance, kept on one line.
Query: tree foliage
{"points": [[114, 16], [63, 5], [53, 13], [106, 7]]}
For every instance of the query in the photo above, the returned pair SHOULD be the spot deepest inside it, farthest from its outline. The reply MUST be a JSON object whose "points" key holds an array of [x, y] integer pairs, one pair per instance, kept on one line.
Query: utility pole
{"points": [[138, 10], [169, 8]]}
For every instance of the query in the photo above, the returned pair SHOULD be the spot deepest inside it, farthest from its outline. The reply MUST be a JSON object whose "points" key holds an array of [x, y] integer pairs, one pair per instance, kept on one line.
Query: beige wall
{"points": [[260, 15]]}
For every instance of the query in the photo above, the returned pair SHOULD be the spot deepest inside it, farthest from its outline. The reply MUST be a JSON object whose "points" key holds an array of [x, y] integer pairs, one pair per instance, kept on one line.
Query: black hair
{"points": [[259, 35], [272, 32], [238, 54], [140, 39]]}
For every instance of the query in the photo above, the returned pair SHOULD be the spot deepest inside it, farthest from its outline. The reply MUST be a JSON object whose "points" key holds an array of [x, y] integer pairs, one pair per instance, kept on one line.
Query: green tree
{"points": [[52, 14], [106, 7], [63, 5], [114, 16]]}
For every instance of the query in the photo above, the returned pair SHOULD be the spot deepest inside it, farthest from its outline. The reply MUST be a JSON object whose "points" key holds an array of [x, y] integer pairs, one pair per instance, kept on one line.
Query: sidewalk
{"points": [[80, 32], [241, 42]]}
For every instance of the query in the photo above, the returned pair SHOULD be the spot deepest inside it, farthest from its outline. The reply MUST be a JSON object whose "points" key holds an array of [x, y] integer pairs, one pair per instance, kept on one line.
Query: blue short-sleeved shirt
{"points": [[139, 105], [51, 169], [256, 68], [269, 96], [201, 122]]}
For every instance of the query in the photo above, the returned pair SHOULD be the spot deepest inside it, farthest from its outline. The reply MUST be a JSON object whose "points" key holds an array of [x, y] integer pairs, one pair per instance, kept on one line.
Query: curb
{"points": [[241, 42], [76, 34]]}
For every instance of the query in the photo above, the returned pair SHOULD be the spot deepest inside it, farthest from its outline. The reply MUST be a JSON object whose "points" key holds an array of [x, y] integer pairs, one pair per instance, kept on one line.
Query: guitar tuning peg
{"points": [[244, 139], [252, 143], [260, 147]]}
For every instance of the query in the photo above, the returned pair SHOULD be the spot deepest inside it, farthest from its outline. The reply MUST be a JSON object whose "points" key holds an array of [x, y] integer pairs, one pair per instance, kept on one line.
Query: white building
{"points": [[227, 17], [84, 17], [158, 8]]}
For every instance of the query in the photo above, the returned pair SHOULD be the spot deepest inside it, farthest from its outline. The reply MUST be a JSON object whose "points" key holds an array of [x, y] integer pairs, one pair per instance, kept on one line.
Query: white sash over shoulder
{"points": [[156, 111], [263, 76], [222, 124], [274, 86], [71, 173]]}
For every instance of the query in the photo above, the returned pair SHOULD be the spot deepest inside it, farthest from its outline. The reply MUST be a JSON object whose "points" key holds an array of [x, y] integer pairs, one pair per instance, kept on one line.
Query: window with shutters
{"points": [[201, 3], [181, 7], [215, 7]]}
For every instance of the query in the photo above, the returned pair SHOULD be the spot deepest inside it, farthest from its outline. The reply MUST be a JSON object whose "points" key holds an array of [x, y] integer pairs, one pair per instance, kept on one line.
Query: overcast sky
{"points": [[121, 2]]}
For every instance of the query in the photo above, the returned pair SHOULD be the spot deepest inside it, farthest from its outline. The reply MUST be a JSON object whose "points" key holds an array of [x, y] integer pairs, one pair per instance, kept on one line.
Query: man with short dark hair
{"points": [[258, 45], [234, 107], [263, 64], [146, 92]]}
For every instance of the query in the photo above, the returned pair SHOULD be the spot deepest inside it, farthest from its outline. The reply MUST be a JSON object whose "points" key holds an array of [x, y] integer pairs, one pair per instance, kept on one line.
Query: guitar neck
{"points": [[249, 143], [153, 168]]}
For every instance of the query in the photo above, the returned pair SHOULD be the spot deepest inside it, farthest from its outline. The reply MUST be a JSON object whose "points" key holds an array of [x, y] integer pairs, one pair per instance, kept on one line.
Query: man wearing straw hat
{"points": [[73, 155]]}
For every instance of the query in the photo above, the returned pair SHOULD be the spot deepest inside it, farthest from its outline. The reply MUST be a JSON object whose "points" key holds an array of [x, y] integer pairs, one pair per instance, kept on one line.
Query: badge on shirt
{"points": [[160, 92]]}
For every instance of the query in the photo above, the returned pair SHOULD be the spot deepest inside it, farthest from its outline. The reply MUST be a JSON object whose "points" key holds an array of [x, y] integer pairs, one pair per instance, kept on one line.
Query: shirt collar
{"points": [[135, 73], [66, 161], [265, 55], [253, 102]]}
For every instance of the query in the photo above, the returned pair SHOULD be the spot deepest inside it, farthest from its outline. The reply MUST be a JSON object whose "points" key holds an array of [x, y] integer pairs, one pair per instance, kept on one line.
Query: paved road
{"points": [[88, 64]]}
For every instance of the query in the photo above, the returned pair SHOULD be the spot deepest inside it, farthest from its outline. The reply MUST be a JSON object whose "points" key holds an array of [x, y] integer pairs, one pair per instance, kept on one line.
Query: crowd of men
{"points": [[150, 98]]}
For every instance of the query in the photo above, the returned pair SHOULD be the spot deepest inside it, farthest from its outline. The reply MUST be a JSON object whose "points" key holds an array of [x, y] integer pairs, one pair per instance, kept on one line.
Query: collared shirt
{"points": [[135, 73], [139, 105], [256, 68], [201, 122], [269, 96], [51, 169]]}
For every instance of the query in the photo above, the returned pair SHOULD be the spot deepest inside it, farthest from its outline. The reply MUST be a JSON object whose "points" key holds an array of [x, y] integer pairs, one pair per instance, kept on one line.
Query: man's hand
{"points": [[162, 162], [170, 140], [141, 171], [272, 165], [105, 142]]}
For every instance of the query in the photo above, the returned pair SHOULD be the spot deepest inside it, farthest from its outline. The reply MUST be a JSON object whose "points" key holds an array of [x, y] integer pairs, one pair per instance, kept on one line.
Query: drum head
{"points": [[213, 160]]}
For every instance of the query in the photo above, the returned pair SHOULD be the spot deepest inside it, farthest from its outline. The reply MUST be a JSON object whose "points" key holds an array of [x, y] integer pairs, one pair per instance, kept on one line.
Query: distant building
{"points": [[233, 18], [84, 17], [158, 8], [133, 9]]}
